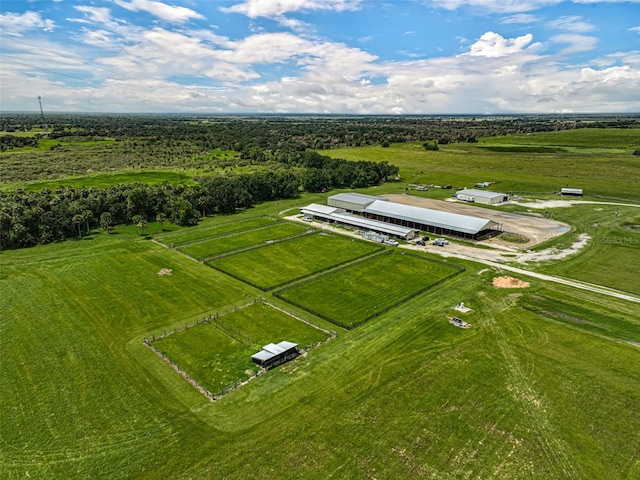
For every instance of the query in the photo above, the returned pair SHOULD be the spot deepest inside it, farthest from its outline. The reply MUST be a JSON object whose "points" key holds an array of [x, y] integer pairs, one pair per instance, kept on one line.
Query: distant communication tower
{"points": [[44, 123]]}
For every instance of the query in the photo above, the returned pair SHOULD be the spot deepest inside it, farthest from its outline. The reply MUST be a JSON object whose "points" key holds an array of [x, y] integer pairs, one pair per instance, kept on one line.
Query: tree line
{"points": [[30, 218]]}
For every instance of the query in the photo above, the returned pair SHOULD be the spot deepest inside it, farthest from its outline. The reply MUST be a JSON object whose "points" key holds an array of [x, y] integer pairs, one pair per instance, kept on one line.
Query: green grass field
{"points": [[351, 296], [612, 257], [585, 138], [280, 263], [244, 239], [405, 396], [610, 171], [216, 359], [103, 181], [187, 235]]}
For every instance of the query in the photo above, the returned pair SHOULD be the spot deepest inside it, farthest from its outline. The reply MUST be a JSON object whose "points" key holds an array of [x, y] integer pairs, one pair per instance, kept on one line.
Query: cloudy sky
{"points": [[321, 56]]}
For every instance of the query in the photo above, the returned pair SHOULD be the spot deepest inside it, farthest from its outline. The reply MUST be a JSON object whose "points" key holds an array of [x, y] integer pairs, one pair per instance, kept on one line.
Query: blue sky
{"points": [[321, 56]]}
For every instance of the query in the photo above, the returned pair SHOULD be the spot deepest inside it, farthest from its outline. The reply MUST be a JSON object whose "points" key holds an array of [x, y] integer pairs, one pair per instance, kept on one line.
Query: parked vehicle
{"points": [[421, 243], [441, 242]]}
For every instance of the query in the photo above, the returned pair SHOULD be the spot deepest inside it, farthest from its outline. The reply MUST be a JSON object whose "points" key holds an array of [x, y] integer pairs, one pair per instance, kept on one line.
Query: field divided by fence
{"points": [[278, 264], [213, 353], [188, 235], [356, 293], [213, 247]]}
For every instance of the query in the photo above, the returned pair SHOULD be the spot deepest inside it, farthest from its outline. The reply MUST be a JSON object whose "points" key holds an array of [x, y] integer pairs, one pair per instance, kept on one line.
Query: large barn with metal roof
{"points": [[401, 221]]}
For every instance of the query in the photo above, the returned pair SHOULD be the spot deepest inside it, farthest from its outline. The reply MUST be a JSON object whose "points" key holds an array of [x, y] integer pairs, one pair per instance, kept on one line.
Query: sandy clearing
{"points": [[540, 204], [508, 282]]}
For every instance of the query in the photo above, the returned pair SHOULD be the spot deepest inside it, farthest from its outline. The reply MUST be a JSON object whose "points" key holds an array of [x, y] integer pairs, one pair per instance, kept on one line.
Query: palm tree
{"points": [[161, 217], [78, 220], [87, 215], [142, 225]]}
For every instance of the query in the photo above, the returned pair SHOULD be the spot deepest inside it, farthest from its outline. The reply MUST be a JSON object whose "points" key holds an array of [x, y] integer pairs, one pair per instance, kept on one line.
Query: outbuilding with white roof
{"points": [[485, 197]]}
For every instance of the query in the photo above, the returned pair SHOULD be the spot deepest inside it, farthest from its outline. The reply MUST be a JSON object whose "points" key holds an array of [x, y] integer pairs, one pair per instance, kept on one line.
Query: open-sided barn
{"points": [[273, 354], [402, 221], [352, 202], [340, 217], [433, 221]]}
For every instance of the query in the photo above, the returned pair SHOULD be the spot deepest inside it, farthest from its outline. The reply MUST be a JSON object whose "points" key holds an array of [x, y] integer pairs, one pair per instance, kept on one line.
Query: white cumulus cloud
{"points": [[492, 44], [169, 13]]}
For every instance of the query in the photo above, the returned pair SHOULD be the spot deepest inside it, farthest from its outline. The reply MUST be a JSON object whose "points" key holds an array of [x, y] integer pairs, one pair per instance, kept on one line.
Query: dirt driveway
{"points": [[534, 227]]}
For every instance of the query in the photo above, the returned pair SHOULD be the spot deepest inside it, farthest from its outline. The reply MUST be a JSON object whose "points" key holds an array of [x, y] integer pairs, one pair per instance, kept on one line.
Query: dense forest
{"points": [[283, 147]]}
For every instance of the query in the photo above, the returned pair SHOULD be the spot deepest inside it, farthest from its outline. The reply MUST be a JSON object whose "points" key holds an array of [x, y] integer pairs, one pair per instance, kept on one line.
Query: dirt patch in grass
{"points": [[164, 271], [509, 282]]}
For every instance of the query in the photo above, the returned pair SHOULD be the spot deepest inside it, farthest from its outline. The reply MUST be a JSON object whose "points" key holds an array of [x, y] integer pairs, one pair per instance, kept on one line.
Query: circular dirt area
{"points": [[509, 282], [531, 229]]}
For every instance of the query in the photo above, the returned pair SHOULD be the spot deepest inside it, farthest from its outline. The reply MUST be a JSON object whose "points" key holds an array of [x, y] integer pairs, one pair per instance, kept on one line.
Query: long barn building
{"points": [[401, 221]]}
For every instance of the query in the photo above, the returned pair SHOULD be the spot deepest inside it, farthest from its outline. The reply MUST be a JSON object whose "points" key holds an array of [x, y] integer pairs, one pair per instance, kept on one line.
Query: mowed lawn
{"points": [[283, 262], [240, 240], [216, 359], [359, 292], [192, 234], [613, 265]]}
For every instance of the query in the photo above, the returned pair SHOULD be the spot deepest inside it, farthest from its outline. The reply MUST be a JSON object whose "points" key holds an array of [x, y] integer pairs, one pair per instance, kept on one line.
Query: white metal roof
{"points": [[317, 208], [481, 193], [571, 190], [376, 225], [436, 218], [271, 350], [353, 197]]}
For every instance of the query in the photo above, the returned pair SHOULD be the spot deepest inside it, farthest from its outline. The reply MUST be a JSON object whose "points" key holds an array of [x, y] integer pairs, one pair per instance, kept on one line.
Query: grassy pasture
{"points": [[188, 235], [598, 138], [244, 239], [216, 359], [210, 356], [612, 256], [151, 177], [609, 174], [75, 403], [352, 295], [611, 324], [273, 265]]}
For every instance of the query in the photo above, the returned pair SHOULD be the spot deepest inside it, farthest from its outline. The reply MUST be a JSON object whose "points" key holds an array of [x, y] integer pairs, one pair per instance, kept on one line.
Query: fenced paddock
{"points": [[214, 353], [241, 239], [194, 234], [281, 263], [356, 293]]}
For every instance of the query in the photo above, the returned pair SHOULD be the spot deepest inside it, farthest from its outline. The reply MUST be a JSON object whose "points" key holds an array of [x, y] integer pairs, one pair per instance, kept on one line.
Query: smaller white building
{"points": [[485, 197], [576, 192]]}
